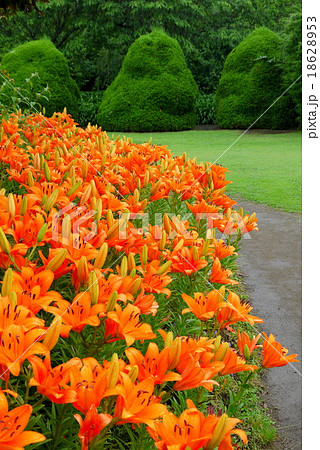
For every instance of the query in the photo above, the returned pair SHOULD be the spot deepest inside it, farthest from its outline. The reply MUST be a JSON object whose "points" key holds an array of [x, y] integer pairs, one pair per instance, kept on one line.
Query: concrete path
{"points": [[270, 263]]}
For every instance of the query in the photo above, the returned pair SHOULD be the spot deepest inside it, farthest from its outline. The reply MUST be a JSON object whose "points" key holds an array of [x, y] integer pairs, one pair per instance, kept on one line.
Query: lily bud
{"points": [[84, 169], [7, 283], [94, 188], [53, 333], [36, 161], [113, 372], [11, 206], [219, 433], [83, 271], [101, 256], [135, 286], [175, 352], [98, 212], [221, 352], [166, 223], [164, 268], [146, 179], [65, 229], [163, 240], [217, 343], [144, 203], [252, 217], [136, 196], [57, 260], [86, 194], [131, 262], [144, 255], [93, 287], [42, 232], [56, 158], [228, 213], [110, 219], [23, 206], [74, 188], [4, 243], [155, 187], [13, 298], [113, 231], [169, 339], [133, 373], [195, 253], [124, 267], [112, 301], [51, 200], [47, 172], [246, 351], [133, 273]]}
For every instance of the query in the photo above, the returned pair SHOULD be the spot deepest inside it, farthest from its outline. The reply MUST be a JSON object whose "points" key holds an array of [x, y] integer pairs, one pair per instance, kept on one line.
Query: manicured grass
{"points": [[265, 168]]}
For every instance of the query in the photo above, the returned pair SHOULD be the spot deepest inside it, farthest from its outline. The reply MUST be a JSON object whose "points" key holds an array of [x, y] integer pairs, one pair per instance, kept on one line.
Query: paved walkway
{"points": [[270, 263]]}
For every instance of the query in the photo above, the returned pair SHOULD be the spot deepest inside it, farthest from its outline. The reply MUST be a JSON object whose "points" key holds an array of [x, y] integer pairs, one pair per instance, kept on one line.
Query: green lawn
{"points": [[265, 168]]}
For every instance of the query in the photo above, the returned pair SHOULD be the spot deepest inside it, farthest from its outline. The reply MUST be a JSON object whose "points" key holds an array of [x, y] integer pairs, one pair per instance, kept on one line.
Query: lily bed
{"points": [[121, 319]]}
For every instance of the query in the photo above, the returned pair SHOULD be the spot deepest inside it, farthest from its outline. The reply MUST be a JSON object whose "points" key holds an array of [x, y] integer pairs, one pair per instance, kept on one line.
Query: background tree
{"points": [[95, 35]]}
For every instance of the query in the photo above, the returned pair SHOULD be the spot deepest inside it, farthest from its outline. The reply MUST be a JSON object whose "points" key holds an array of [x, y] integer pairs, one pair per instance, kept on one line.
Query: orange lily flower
{"points": [[204, 306], [247, 345], [233, 363], [221, 250], [136, 402], [152, 282], [53, 381], [32, 287], [91, 426], [91, 383], [236, 310], [194, 431], [124, 324], [13, 423], [219, 275], [274, 355], [17, 345], [184, 261], [17, 251], [76, 315], [17, 315], [154, 364]]}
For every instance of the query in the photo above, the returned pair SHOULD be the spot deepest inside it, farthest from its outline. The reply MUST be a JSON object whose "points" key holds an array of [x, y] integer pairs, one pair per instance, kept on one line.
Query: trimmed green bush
{"points": [[292, 55], [251, 80], [154, 90], [43, 58]]}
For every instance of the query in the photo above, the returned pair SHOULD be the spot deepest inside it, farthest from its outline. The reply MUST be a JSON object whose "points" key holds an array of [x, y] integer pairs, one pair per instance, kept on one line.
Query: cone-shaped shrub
{"points": [[154, 90], [251, 80], [43, 58]]}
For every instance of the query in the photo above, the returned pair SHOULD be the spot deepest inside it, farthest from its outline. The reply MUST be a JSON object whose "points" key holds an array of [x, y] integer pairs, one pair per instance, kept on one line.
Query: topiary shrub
{"points": [[251, 80], [154, 90], [292, 55], [43, 58]]}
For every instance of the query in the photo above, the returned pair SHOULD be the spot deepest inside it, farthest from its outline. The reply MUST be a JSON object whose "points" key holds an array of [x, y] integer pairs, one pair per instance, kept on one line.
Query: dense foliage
{"points": [[95, 35], [88, 107], [42, 58], [252, 79], [154, 90], [204, 108]]}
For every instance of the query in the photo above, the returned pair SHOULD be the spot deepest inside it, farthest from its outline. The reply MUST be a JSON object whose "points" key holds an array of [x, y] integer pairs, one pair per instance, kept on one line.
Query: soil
{"points": [[270, 264]]}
